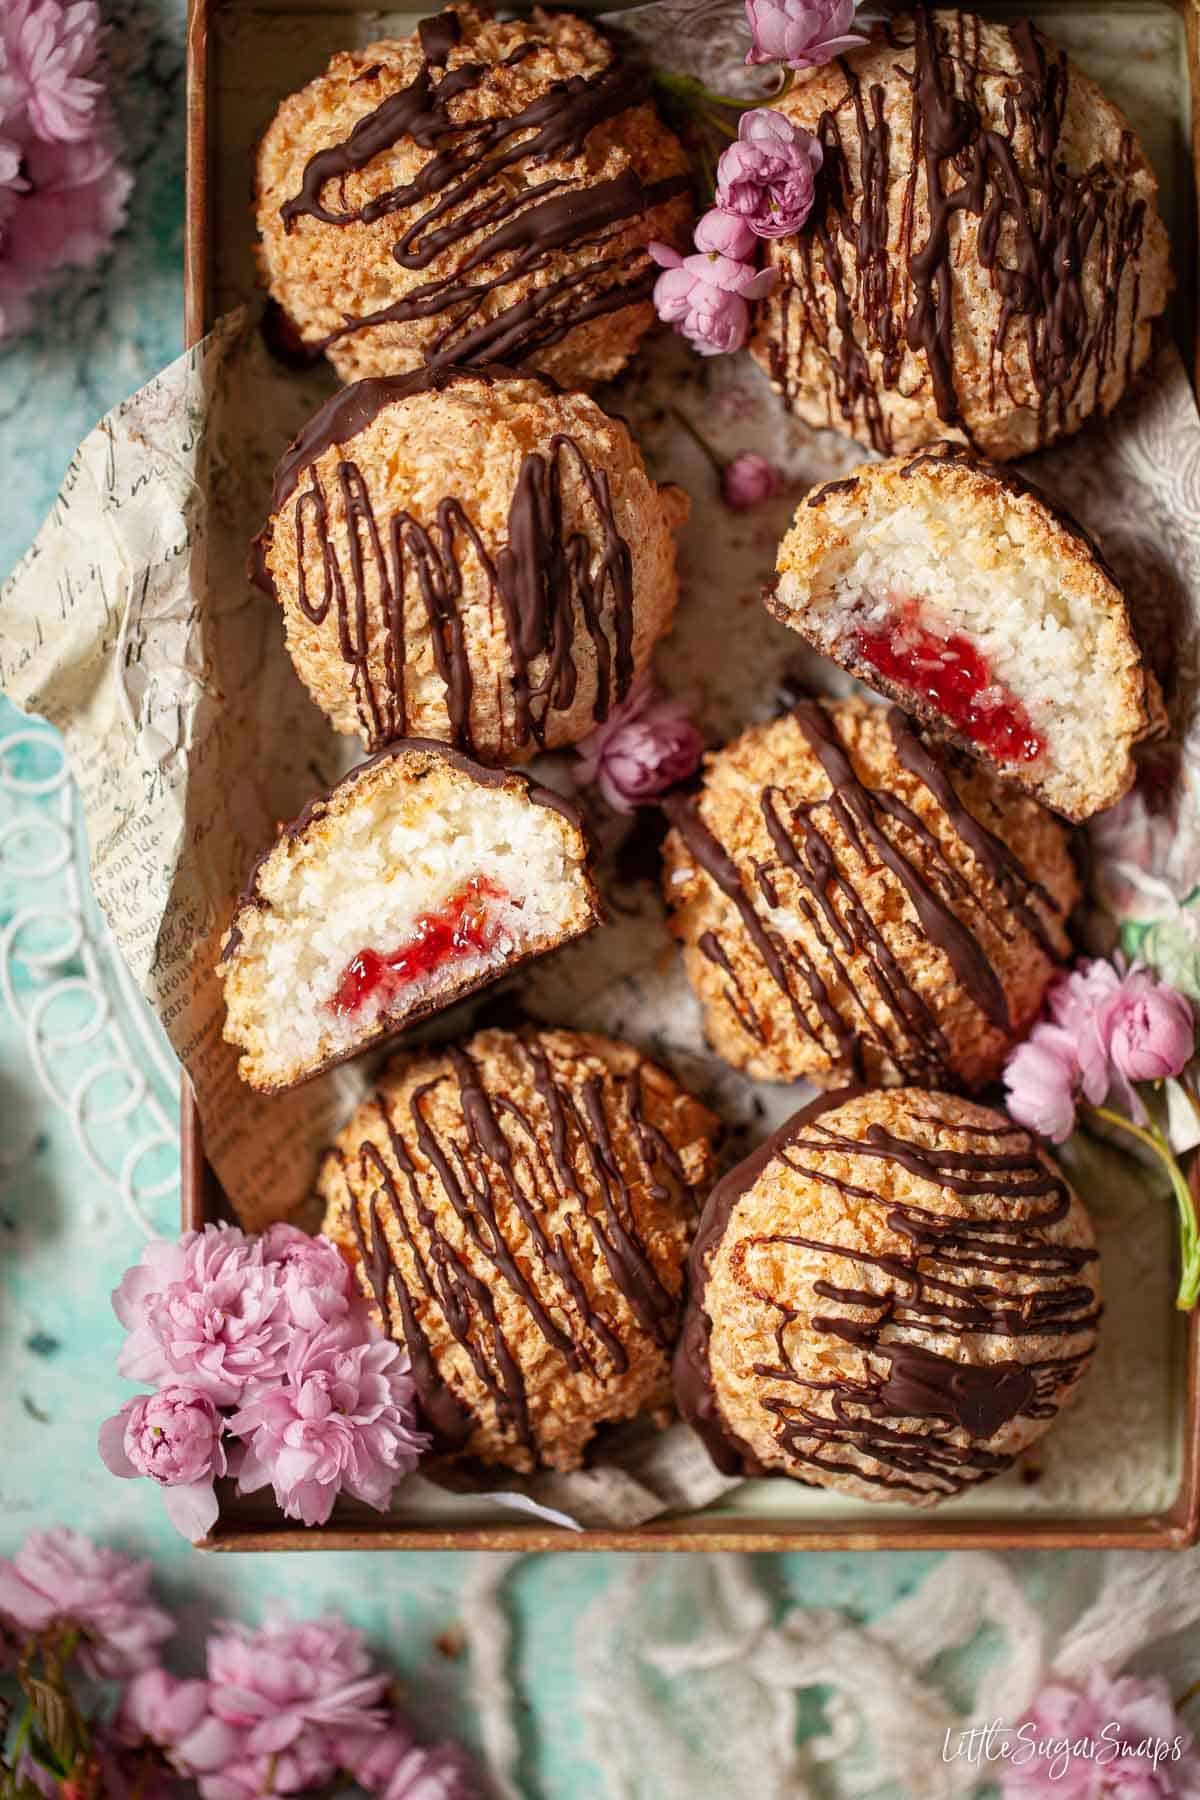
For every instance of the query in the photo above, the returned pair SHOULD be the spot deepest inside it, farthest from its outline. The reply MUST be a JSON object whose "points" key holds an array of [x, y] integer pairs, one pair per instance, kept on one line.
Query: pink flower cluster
{"points": [[284, 1709], [266, 1366], [1107, 1029], [62, 191], [60, 1579], [287, 1709], [765, 189], [1116, 1735], [800, 33], [645, 746]]}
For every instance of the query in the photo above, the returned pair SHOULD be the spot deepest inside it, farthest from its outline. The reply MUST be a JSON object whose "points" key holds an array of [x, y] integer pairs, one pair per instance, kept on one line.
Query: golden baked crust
{"points": [[863, 932], [893, 1298], [520, 1209], [999, 525], [1025, 305], [484, 561], [530, 250]]}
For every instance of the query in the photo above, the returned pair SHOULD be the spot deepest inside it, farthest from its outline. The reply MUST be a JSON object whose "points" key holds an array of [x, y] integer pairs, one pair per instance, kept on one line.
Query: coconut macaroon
{"points": [[984, 256], [419, 878], [894, 1297], [520, 1208], [471, 557], [956, 589], [856, 903], [481, 191]]}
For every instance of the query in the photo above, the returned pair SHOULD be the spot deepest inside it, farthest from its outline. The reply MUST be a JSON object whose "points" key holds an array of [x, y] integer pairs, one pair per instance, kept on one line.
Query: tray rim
{"points": [[1176, 1527]]}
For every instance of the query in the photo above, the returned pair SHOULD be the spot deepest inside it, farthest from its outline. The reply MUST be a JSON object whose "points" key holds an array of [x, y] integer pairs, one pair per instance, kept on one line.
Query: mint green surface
{"points": [[64, 1239]]}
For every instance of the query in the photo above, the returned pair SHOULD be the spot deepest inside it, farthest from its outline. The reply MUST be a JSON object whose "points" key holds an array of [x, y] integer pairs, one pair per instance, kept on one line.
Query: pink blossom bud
{"points": [[748, 480], [801, 33], [768, 177], [1151, 1029]]}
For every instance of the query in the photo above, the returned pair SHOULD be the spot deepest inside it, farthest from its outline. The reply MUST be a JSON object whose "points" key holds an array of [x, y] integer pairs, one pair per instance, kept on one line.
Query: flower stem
{"points": [[21, 1736], [691, 92], [718, 123], [1189, 1229]]}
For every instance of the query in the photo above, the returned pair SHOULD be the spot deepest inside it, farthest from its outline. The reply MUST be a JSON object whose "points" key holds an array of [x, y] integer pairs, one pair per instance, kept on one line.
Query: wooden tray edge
{"points": [[1175, 1529]]}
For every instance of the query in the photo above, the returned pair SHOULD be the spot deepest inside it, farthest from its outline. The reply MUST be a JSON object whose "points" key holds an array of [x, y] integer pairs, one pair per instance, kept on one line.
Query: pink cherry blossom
{"points": [[51, 50], [722, 233], [748, 480], [705, 296], [61, 1577], [205, 1309], [344, 1418], [317, 1284], [1042, 1077], [801, 33], [1077, 1001], [63, 193], [394, 1765], [160, 1709], [768, 177], [719, 268], [398, 1768], [174, 1437], [1094, 1742], [287, 1695], [1151, 1029], [645, 746], [305, 1768]]}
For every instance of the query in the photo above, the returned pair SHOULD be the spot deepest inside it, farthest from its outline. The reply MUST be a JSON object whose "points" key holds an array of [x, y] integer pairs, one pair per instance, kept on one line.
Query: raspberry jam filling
{"points": [[949, 672], [467, 925]]}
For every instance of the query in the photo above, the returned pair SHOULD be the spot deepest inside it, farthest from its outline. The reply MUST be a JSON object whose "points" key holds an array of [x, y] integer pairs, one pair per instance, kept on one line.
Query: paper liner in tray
{"points": [[131, 626]]}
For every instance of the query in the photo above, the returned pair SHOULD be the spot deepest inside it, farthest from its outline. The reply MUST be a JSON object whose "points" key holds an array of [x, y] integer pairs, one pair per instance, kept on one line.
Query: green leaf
{"points": [[57, 1720]]}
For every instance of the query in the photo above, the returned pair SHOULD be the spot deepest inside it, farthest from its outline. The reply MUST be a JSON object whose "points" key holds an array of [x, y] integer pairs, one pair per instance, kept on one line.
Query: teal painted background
{"points": [[64, 1240]]}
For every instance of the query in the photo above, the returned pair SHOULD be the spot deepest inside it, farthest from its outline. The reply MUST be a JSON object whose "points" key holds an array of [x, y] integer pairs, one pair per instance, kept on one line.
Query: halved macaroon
{"points": [[418, 879], [956, 589]]}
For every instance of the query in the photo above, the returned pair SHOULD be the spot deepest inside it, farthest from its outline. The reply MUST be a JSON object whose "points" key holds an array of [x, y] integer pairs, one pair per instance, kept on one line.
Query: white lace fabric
{"points": [[693, 1686]]}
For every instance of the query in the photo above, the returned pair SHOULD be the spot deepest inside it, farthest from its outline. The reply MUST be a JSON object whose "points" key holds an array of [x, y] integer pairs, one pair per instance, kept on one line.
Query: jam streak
{"points": [[467, 186], [986, 1217], [953, 675], [582, 1148], [545, 580], [1053, 227], [467, 925], [807, 876]]}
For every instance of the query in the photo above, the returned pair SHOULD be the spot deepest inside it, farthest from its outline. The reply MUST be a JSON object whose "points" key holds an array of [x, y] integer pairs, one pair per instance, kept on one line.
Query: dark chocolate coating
{"points": [[1035, 231], [463, 188], [942, 1285], [578, 1119], [540, 578], [948, 911]]}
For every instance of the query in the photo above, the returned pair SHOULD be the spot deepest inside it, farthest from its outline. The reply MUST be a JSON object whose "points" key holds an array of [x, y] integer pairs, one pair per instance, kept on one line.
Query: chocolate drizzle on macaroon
{"points": [[482, 177], [587, 1143], [1039, 227], [386, 580], [998, 1203], [808, 875]]}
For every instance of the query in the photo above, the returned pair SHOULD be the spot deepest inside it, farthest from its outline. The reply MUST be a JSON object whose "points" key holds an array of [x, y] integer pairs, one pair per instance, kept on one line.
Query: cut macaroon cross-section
{"points": [[420, 878], [956, 589]]}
